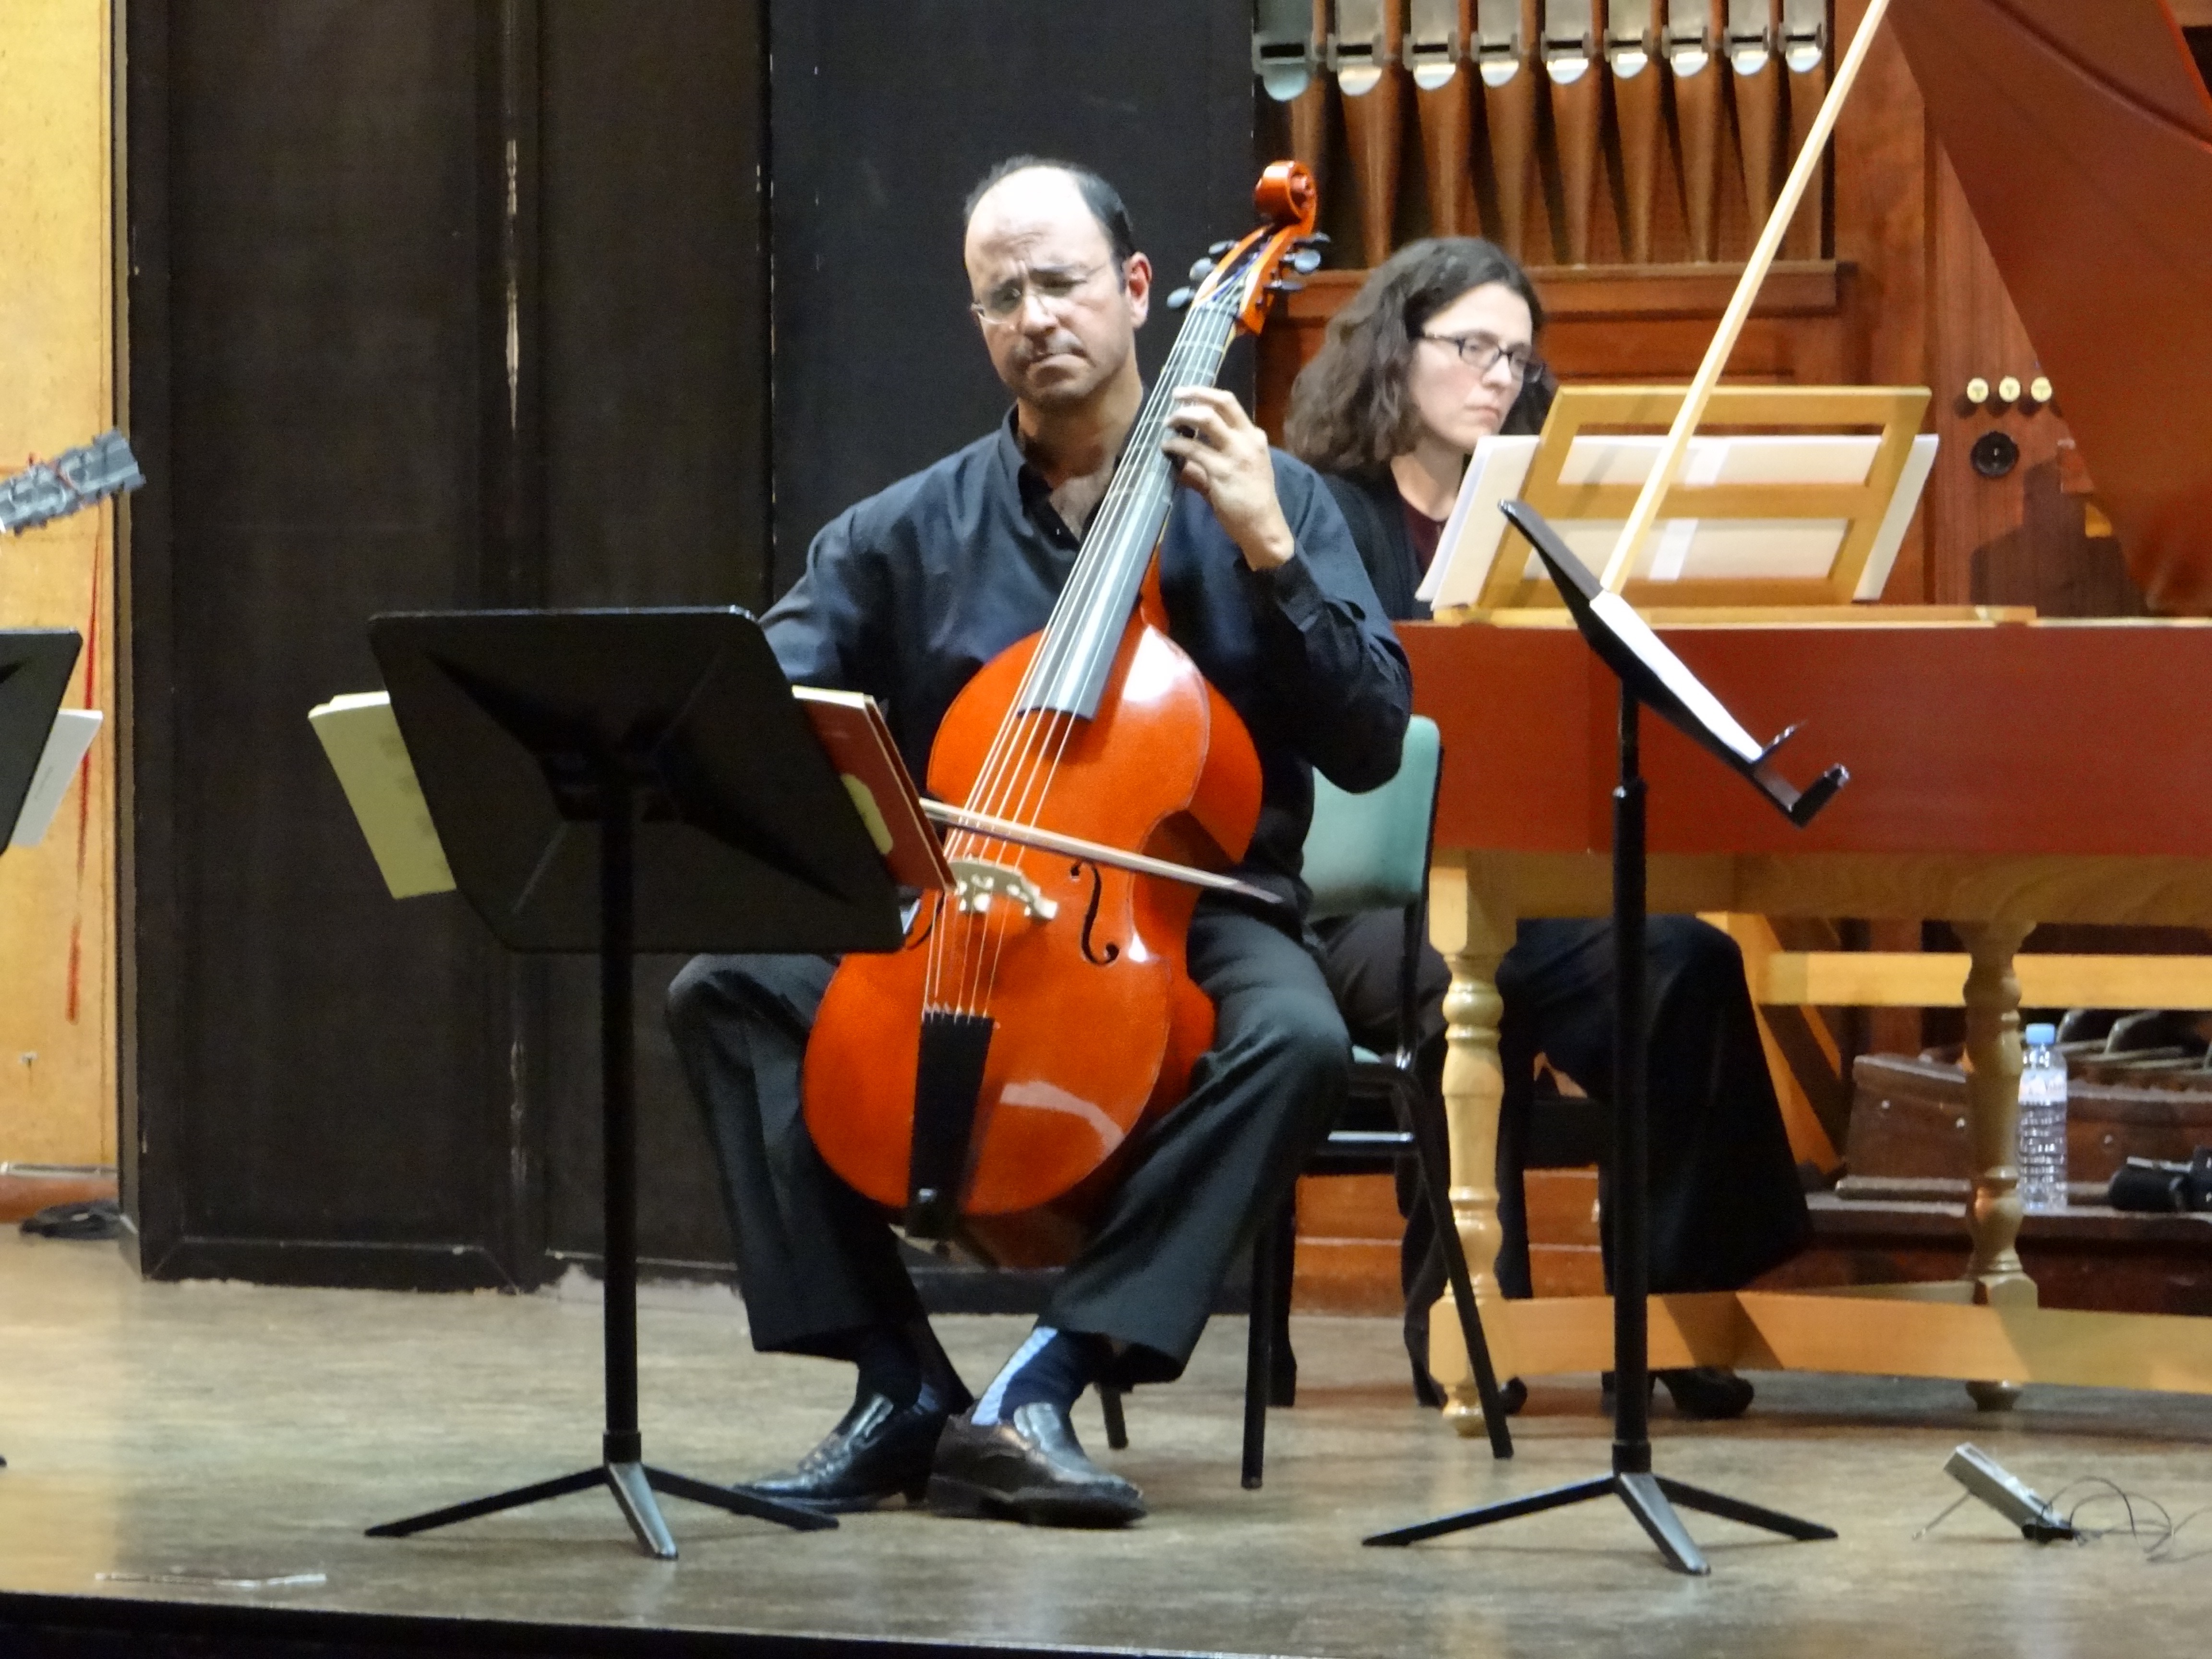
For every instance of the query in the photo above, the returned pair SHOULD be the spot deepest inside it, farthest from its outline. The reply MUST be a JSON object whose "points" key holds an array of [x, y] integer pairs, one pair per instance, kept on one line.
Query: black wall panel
{"points": [[315, 1064], [886, 112], [655, 408], [654, 283], [434, 304]]}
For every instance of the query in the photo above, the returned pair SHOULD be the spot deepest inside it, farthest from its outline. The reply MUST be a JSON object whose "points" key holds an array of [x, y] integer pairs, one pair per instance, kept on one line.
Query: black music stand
{"points": [[610, 781], [1650, 676], [35, 666]]}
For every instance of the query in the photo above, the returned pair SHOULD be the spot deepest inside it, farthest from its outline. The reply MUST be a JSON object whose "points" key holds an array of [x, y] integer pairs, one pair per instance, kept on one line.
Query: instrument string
{"points": [[1014, 784], [1127, 518], [1092, 566], [1135, 547], [1136, 534], [1097, 568], [1029, 743]]}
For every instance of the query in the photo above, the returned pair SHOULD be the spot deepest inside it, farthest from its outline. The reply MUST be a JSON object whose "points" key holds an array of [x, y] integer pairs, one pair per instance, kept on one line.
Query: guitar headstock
{"points": [[75, 479], [1247, 274]]}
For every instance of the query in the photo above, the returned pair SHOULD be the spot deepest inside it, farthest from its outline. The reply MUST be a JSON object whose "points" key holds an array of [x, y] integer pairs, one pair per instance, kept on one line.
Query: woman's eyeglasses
{"points": [[1482, 353]]}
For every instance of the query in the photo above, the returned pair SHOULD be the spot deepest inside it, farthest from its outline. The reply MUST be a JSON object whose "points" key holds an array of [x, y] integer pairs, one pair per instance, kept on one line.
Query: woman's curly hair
{"points": [[1349, 412]]}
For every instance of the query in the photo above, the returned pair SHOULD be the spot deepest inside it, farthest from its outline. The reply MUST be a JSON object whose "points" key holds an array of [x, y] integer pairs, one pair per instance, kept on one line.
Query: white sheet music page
{"points": [[1790, 549], [360, 737], [1469, 542], [1620, 617], [73, 729]]}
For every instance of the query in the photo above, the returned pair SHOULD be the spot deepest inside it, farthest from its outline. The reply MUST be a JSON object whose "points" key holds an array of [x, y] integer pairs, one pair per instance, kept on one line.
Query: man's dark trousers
{"points": [[816, 1260]]}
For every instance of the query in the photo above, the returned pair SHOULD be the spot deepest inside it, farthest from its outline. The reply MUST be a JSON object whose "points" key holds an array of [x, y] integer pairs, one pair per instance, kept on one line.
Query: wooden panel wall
{"points": [[657, 488], [57, 348]]}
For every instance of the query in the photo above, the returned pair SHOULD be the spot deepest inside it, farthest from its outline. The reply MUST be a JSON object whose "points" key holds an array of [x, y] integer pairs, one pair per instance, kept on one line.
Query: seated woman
{"points": [[1436, 353]]}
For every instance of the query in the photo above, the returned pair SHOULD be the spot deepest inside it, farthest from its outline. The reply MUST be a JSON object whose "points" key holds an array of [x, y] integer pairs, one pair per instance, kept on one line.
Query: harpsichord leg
{"points": [[1993, 1213], [1471, 923]]}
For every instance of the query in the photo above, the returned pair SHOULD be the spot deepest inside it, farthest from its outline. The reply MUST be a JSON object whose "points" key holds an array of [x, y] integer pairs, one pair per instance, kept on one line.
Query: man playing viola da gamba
{"points": [[904, 597]]}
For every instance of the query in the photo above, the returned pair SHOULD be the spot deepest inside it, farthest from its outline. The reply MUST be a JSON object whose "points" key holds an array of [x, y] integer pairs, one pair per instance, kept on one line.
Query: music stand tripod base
{"points": [[1648, 673], [633, 1484], [670, 739], [622, 1469], [1650, 1499]]}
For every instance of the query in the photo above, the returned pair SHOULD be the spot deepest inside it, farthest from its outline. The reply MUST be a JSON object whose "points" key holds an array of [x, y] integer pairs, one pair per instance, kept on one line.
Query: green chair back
{"points": [[1370, 851]]}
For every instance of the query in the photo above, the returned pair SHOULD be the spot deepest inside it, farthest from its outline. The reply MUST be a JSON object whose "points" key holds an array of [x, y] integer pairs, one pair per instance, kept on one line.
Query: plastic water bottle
{"points": [[2043, 1121]]}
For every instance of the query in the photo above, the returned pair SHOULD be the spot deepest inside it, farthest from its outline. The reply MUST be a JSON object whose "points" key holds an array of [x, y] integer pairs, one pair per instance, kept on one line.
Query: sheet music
{"points": [[1682, 549], [1620, 617], [1471, 535], [852, 732], [360, 737], [1895, 522], [67, 743]]}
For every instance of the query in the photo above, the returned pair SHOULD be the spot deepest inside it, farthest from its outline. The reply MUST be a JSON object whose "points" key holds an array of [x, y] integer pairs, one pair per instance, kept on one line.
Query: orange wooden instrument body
{"points": [[1074, 970], [1098, 1023]]}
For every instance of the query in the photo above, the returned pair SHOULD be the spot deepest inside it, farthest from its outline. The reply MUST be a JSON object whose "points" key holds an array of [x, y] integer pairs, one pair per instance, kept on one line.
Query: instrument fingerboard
{"points": [[1078, 651]]}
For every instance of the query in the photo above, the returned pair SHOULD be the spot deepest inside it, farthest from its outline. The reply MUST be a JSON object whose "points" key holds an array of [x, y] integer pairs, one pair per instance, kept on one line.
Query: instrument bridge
{"points": [[976, 882]]}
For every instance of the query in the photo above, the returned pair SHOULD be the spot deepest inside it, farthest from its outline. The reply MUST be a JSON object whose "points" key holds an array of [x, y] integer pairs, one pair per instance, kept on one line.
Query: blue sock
{"points": [[1053, 1365]]}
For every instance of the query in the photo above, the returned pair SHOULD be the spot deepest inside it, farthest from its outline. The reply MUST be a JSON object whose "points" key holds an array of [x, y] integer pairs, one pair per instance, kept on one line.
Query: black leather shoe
{"points": [[877, 1451], [1712, 1392], [1028, 1467]]}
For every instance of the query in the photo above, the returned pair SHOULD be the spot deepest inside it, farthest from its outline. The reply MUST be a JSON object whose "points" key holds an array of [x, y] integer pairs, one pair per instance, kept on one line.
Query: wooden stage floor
{"points": [[161, 1438]]}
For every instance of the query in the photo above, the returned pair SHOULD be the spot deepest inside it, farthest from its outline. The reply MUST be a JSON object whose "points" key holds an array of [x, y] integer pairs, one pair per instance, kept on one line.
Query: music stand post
{"points": [[524, 727], [1650, 675]]}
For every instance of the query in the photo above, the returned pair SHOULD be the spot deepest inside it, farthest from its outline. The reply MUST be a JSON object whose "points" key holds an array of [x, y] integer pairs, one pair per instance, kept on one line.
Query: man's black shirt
{"points": [[907, 594]]}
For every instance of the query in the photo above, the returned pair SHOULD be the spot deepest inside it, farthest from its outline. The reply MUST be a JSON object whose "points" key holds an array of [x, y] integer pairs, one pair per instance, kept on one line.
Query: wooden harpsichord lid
{"points": [[2083, 135]]}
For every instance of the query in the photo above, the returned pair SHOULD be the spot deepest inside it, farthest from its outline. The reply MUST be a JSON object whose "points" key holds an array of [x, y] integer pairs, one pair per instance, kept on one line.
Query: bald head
{"points": [[1103, 199], [1029, 209]]}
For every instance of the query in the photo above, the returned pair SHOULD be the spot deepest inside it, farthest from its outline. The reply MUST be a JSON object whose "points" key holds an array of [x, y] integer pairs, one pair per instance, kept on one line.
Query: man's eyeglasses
{"points": [[1482, 353], [1002, 303]]}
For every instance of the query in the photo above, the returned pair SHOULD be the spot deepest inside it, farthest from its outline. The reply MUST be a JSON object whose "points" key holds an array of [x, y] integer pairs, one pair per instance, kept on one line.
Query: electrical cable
{"points": [[2146, 1520]]}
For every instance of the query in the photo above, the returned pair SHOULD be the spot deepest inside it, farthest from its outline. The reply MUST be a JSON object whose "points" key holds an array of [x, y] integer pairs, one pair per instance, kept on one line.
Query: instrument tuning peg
{"points": [[1201, 269], [1319, 238], [1306, 260], [1218, 249], [1280, 286], [1179, 299]]}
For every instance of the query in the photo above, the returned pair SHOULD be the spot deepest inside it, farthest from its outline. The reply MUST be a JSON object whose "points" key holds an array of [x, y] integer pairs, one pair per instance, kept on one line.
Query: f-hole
{"points": [[1090, 954]]}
